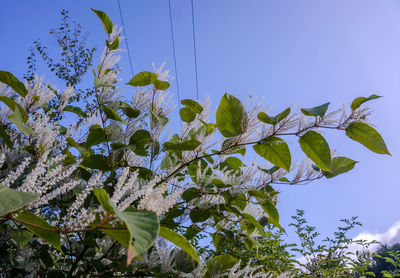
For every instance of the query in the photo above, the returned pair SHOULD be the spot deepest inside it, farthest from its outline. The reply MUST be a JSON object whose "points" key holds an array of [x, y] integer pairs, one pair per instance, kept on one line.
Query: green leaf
{"points": [[316, 111], [179, 241], [367, 136], [268, 206], [18, 120], [143, 225], [114, 45], [104, 199], [190, 194], [273, 120], [33, 222], [12, 200], [76, 110], [187, 115], [340, 165], [276, 151], [97, 161], [141, 139], [317, 149], [107, 23], [231, 116], [111, 114], [128, 110], [228, 146], [144, 173], [199, 214], [96, 135], [193, 105], [80, 147], [160, 85], [254, 221], [157, 117], [10, 80], [188, 145], [220, 264], [232, 163], [14, 106], [21, 237], [360, 100], [143, 78], [5, 136]]}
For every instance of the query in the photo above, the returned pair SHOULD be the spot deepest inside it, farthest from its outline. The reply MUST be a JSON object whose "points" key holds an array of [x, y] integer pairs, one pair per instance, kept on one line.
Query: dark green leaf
{"points": [[160, 85], [199, 214], [317, 149], [76, 110], [276, 151], [5, 136], [316, 111], [360, 100], [220, 264], [22, 237], [52, 237], [108, 25], [340, 165], [141, 139], [12, 200], [190, 194], [179, 241], [231, 116], [111, 114], [273, 120], [114, 45], [193, 105], [97, 161], [367, 136], [187, 114], [10, 80], [143, 78], [128, 110], [188, 145], [96, 135]]}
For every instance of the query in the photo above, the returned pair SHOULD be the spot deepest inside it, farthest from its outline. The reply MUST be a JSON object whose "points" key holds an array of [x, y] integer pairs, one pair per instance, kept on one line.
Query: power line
{"points": [[126, 38], [173, 50], [195, 54]]}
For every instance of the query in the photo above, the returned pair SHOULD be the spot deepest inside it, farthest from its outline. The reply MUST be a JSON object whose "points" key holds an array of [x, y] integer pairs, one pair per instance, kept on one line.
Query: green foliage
{"points": [[317, 149], [360, 100], [231, 116], [9, 79], [368, 136], [273, 120], [316, 111], [114, 180], [276, 151], [333, 258], [12, 200]]}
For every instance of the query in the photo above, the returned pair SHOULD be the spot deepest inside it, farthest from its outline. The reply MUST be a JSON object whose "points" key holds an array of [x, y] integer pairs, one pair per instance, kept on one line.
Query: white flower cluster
{"points": [[38, 94], [65, 96]]}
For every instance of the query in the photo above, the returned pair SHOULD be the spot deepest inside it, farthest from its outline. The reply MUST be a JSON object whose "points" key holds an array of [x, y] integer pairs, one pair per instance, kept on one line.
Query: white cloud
{"points": [[389, 237]]}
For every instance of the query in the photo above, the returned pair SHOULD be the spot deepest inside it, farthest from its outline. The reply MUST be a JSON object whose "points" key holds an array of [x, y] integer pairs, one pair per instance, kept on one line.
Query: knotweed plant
{"points": [[116, 192]]}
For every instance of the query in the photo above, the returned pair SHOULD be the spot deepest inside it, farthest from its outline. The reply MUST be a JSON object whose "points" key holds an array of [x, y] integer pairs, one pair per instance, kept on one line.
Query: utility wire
{"points": [[173, 50], [195, 54], [126, 38]]}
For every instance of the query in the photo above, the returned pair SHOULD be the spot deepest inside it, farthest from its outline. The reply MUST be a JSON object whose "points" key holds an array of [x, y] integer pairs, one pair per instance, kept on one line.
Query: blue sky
{"points": [[308, 51]]}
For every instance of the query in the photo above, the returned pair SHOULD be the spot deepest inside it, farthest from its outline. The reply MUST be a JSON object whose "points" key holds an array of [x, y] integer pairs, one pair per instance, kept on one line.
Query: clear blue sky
{"points": [[308, 51]]}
